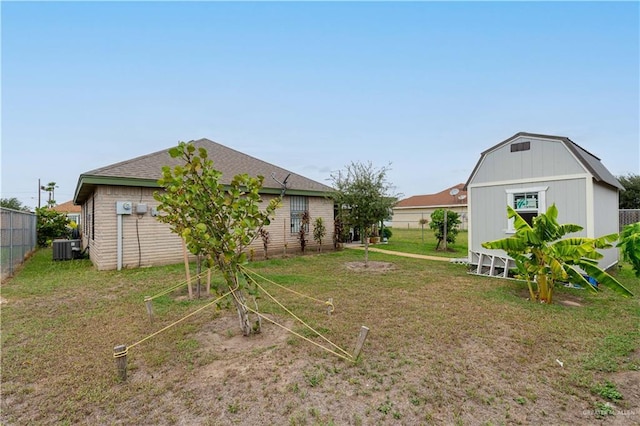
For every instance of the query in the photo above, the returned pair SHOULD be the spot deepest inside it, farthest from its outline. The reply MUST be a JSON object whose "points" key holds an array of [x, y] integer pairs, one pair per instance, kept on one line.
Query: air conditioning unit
{"points": [[66, 249]]}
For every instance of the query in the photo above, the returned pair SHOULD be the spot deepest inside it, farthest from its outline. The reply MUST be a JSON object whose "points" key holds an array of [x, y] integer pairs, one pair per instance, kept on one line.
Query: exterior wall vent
{"points": [[520, 146]]}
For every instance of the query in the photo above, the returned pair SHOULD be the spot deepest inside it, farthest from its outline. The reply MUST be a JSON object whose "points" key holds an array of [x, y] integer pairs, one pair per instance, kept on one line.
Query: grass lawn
{"points": [[444, 347], [418, 242]]}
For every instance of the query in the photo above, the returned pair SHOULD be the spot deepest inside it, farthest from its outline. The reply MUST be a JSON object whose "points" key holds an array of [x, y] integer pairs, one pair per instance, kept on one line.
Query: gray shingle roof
{"points": [[147, 169], [587, 159]]}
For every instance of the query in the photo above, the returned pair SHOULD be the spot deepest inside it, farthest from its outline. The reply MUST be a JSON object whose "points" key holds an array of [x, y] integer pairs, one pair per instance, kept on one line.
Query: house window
{"points": [[520, 146], [528, 202], [298, 206]]}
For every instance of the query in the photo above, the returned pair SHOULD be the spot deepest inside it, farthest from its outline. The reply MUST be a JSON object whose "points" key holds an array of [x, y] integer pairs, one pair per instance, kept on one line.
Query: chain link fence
{"points": [[18, 235], [629, 216]]}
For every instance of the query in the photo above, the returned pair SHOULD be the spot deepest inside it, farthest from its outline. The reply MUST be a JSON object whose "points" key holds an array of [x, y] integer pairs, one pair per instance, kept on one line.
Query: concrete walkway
{"points": [[399, 253]]}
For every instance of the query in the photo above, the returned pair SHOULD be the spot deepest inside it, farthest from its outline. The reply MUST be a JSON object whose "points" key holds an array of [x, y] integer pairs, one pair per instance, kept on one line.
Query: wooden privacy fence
{"points": [[18, 236], [629, 216]]}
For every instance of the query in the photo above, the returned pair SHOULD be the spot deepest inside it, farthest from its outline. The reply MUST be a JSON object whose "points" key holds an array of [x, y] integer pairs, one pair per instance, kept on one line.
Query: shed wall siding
{"points": [[490, 207], [545, 158], [606, 220], [146, 241]]}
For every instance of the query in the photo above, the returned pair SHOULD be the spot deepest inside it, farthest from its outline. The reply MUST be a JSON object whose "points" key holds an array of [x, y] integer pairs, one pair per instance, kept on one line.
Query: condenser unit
{"points": [[66, 249]]}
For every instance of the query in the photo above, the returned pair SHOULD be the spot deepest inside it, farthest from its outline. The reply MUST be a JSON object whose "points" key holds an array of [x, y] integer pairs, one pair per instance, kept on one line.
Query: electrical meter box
{"points": [[124, 207]]}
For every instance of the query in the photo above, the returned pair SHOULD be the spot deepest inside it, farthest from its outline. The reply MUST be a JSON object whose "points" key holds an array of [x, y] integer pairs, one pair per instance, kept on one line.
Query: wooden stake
{"points": [[149, 304], [186, 268], [361, 338], [120, 354], [208, 281], [330, 307]]}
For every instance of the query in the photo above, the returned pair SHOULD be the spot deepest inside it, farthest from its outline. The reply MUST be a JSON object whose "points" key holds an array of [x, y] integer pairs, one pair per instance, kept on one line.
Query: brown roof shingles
{"points": [[227, 160], [442, 198], [67, 207]]}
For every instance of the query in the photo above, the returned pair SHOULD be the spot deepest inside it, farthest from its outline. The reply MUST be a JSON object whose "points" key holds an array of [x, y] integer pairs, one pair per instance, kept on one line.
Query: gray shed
{"points": [[530, 172]]}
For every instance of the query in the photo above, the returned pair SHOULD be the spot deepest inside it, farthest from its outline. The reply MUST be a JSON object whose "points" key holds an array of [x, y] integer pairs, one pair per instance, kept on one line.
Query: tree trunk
{"points": [[365, 235], [231, 276], [543, 288], [240, 303], [199, 271]]}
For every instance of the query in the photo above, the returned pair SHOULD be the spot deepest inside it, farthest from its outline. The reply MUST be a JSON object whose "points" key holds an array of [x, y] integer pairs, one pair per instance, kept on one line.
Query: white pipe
{"points": [[119, 242]]}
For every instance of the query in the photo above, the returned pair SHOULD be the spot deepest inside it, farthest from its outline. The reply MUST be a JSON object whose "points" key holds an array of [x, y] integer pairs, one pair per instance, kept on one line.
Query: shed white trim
{"points": [[530, 181]]}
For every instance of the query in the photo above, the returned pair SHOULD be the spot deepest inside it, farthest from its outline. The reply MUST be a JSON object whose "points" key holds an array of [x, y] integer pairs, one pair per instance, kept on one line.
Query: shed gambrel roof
{"points": [[440, 199], [145, 171], [587, 159]]}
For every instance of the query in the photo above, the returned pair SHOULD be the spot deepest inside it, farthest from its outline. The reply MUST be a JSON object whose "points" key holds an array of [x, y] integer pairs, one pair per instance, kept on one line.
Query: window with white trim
{"points": [[528, 202]]}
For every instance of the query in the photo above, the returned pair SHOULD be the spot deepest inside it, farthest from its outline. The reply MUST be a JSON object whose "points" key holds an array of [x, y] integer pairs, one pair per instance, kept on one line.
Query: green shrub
{"points": [[386, 233]]}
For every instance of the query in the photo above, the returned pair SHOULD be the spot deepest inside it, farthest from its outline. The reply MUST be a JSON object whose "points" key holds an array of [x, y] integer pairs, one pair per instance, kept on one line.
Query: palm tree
{"points": [[544, 258]]}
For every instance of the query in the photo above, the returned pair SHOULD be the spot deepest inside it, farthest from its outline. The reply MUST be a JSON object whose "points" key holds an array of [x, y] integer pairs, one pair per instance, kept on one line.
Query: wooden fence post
{"points": [[120, 354], [149, 304], [361, 338]]}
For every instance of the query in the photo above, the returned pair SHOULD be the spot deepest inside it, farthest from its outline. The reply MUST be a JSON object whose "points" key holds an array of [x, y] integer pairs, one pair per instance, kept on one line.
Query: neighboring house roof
{"points": [[67, 207], [147, 169], [442, 198], [587, 159]]}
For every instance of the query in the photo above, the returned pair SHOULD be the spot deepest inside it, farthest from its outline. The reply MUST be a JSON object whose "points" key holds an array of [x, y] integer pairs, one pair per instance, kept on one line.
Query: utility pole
{"points": [[39, 192]]}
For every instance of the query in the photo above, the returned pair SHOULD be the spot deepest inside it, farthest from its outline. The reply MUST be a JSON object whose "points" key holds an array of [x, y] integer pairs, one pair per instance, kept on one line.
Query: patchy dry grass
{"points": [[418, 242], [444, 348]]}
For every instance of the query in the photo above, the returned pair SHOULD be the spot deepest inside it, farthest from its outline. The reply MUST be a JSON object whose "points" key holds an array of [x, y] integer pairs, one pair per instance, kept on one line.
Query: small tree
{"points": [[266, 238], [50, 225], [14, 204], [630, 197], [630, 246], [438, 226], [339, 232], [364, 197], [319, 231], [543, 257], [216, 220], [304, 229]]}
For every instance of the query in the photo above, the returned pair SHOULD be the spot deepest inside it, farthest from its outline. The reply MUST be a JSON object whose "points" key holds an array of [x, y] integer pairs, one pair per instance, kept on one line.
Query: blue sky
{"points": [[425, 86]]}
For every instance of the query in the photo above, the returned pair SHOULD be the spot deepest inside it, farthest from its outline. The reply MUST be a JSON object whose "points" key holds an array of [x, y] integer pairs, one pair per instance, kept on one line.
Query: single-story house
{"points": [[69, 209], [120, 229], [530, 172], [408, 212]]}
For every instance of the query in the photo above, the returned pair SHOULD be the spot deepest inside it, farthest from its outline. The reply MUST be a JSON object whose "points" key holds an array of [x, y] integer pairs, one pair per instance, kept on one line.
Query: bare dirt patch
{"points": [[371, 266]]}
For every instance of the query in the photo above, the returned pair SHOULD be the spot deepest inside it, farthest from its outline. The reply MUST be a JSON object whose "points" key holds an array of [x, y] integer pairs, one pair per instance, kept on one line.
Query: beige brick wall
{"points": [[147, 241]]}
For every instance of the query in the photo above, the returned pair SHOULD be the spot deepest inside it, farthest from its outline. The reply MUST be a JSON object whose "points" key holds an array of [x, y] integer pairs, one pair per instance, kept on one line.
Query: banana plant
{"points": [[630, 245], [544, 258]]}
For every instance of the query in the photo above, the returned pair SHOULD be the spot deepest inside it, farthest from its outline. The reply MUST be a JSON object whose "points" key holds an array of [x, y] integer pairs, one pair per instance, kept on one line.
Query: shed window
{"points": [[520, 146], [298, 206], [528, 202]]}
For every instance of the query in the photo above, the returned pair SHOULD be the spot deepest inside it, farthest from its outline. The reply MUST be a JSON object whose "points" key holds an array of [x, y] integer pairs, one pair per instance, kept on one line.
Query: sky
{"points": [[421, 87]]}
